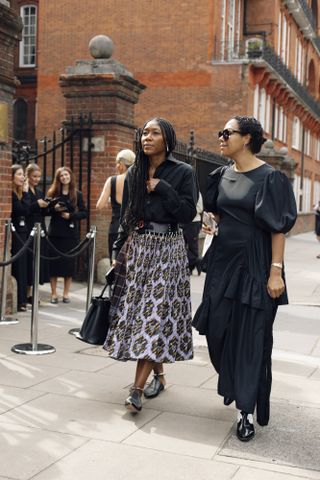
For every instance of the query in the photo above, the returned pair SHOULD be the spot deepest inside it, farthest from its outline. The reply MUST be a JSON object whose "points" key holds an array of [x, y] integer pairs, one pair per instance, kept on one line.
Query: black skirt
{"points": [[63, 267], [19, 268]]}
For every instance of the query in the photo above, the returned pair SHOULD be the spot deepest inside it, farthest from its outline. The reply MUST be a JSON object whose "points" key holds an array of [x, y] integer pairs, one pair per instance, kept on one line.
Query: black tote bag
{"points": [[96, 322]]}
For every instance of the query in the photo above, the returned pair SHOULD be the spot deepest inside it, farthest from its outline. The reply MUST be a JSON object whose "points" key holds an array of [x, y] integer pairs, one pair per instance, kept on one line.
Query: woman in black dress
{"points": [[113, 190], [19, 213], [37, 212], [67, 210], [254, 206], [151, 308]]}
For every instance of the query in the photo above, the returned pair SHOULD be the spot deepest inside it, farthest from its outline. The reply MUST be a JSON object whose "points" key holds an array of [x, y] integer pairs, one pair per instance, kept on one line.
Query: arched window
{"points": [[20, 118], [311, 78], [314, 8], [28, 43]]}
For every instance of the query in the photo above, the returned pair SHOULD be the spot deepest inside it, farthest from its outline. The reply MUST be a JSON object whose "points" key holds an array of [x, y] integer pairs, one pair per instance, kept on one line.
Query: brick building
{"points": [[201, 62]]}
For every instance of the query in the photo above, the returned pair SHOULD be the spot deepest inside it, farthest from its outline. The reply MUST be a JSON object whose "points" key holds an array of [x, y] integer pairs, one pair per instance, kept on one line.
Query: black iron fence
{"points": [[63, 148]]}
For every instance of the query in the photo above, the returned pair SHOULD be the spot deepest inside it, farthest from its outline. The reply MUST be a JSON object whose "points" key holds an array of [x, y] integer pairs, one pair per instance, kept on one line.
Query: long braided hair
{"points": [[140, 174]]}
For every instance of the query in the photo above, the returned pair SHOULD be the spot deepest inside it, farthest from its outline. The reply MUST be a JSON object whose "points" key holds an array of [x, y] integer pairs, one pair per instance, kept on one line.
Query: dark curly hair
{"points": [[140, 174], [250, 125]]}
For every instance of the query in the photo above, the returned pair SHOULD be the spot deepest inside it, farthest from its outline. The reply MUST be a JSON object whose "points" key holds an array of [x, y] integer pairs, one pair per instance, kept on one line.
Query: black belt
{"points": [[164, 228]]}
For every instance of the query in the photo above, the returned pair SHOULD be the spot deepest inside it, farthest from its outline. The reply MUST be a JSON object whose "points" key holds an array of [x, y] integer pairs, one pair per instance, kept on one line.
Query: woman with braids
{"points": [[37, 212], [151, 307], [255, 207], [67, 210], [19, 213]]}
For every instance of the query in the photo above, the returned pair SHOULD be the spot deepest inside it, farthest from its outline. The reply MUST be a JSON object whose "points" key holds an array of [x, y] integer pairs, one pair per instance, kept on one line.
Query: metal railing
{"points": [[308, 13], [257, 51]]}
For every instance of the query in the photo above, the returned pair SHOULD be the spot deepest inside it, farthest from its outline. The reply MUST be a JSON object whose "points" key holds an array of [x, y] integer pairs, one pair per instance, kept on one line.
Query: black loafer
{"points": [[154, 388], [227, 401], [133, 402], [245, 429]]}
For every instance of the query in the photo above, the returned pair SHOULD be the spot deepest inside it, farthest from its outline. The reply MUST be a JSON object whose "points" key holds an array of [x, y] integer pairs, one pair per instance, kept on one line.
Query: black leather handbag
{"points": [[96, 322]]}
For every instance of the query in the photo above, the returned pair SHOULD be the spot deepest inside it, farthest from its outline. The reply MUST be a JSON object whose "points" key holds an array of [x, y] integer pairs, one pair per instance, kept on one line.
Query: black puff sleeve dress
{"points": [[236, 313]]}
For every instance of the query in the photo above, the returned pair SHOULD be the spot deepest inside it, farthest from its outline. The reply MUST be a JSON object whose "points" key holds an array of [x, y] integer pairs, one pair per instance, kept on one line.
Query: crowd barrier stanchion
{"points": [[93, 231], [91, 267], [4, 281], [35, 348]]}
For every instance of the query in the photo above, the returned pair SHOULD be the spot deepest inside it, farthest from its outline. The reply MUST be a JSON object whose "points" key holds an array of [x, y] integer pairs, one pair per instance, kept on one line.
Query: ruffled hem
{"points": [[241, 287]]}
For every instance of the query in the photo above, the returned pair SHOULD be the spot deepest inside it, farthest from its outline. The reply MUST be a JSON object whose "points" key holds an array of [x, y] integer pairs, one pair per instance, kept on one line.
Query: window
{"points": [[318, 150], [296, 190], [307, 195], [29, 36], [20, 118], [307, 142], [316, 192], [296, 133], [299, 60]]}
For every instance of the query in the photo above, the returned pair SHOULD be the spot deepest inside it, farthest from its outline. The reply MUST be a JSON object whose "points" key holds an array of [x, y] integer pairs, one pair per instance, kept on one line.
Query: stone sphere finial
{"points": [[269, 144], [101, 46]]}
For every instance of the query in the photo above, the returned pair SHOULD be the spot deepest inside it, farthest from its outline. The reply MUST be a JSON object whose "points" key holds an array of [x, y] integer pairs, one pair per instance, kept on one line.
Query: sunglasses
{"points": [[226, 133]]}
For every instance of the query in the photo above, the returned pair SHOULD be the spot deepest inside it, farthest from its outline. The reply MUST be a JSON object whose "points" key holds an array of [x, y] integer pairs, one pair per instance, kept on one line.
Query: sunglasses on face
{"points": [[226, 133]]}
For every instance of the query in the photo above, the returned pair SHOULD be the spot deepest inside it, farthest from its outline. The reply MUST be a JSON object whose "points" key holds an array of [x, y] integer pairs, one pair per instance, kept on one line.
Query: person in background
{"points": [[254, 207], [66, 211], [20, 211], [150, 318], [316, 209], [113, 190], [191, 232], [37, 212]]}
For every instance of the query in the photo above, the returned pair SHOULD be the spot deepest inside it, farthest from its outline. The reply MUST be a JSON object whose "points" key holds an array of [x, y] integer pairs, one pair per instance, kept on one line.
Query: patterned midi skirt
{"points": [[152, 318]]}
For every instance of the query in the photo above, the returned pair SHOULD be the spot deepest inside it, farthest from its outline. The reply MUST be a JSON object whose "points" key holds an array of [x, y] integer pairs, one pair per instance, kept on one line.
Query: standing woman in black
{"points": [[19, 213], [254, 206], [37, 212], [63, 231], [151, 308]]}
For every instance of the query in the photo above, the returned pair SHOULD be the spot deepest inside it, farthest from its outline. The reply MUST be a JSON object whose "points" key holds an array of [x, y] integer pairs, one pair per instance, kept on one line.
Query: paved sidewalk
{"points": [[62, 415]]}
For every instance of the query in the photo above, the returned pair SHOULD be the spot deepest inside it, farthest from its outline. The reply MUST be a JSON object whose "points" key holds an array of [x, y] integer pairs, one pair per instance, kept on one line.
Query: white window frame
{"points": [[316, 192], [268, 109], [307, 142], [296, 133], [262, 107], [284, 39], [23, 45], [317, 156], [296, 190], [306, 201]]}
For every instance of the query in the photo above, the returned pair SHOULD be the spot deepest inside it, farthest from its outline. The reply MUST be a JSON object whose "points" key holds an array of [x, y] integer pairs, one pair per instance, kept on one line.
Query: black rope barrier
{"points": [[20, 252], [65, 254], [68, 254]]}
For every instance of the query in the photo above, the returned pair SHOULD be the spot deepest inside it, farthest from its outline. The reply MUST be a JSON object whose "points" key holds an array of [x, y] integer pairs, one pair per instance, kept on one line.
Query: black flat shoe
{"points": [[245, 429], [133, 403], [227, 401], [154, 388]]}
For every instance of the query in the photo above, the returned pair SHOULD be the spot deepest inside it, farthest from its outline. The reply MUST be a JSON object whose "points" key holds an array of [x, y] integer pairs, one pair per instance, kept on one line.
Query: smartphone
{"points": [[110, 276], [208, 220]]}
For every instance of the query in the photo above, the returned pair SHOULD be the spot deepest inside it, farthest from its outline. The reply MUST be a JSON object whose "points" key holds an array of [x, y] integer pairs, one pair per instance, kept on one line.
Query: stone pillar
{"points": [[106, 90], [279, 159], [10, 34]]}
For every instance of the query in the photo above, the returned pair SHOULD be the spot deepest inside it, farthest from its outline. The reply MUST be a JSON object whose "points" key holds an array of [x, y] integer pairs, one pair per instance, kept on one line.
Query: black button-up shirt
{"points": [[174, 199]]}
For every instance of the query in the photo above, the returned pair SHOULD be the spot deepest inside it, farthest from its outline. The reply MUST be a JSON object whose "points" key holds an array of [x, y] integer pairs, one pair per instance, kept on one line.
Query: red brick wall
{"points": [[166, 47]]}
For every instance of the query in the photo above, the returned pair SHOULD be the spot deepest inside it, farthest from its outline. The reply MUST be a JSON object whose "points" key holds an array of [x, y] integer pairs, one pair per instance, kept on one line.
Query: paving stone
{"points": [[245, 473], [27, 451], [182, 434], [194, 402], [11, 397], [291, 438], [295, 389], [17, 372], [86, 418], [87, 385], [109, 461]]}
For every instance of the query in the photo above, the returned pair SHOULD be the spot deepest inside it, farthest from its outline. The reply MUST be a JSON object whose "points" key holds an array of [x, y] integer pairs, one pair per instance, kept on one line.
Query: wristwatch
{"points": [[276, 264]]}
